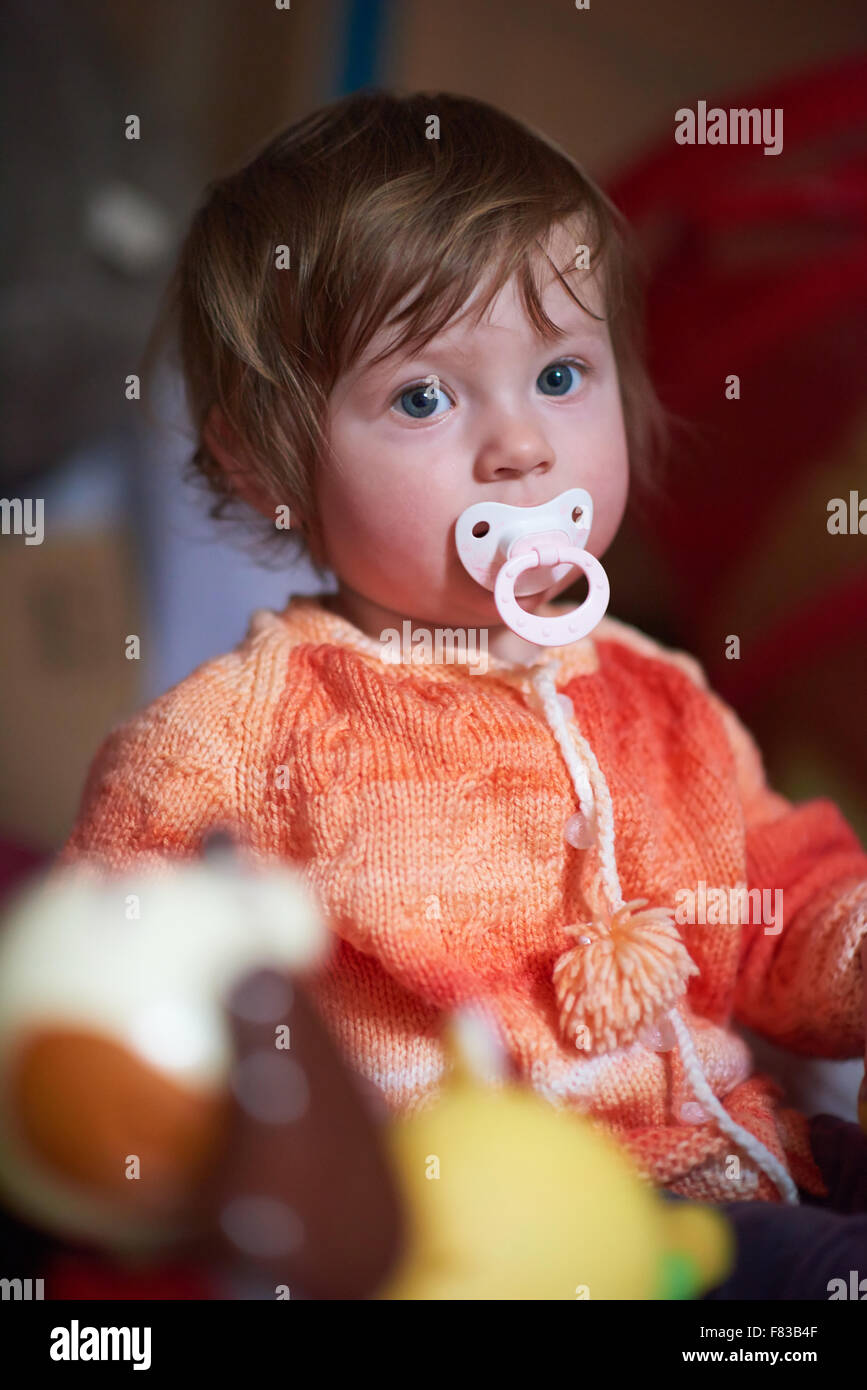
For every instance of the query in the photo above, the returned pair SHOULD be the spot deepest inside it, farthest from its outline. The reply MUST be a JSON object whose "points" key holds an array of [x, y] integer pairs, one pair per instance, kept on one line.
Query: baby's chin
{"points": [[483, 610]]}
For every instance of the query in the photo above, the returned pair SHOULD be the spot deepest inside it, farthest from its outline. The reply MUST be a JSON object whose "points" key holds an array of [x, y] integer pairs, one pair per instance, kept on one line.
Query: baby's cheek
{"points": [[609, 504]]}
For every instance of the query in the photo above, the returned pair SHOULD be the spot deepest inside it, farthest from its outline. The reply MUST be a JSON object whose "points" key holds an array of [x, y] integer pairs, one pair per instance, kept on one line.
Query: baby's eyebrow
{"points": [[572, 326]]}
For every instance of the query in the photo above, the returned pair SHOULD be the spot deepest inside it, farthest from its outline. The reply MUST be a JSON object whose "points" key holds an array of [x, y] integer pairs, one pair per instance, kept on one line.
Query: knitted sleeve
{"points": [[801, 983], [158, 781]]}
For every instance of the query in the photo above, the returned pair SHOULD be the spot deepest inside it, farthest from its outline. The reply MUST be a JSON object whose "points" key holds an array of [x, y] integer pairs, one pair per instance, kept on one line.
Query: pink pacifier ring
{"points": [[567, 627]]}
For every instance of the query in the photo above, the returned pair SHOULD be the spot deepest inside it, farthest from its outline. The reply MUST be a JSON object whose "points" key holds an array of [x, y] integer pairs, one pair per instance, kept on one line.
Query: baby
{"points": [[400, 308]]}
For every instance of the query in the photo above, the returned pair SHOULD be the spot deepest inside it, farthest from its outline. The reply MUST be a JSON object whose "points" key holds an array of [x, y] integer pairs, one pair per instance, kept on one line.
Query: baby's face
{"points": [[510, 418]]}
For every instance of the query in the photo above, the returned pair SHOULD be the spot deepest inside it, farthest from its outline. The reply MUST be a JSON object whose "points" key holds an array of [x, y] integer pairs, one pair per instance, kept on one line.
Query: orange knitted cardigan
{"points": [[427, 804]]}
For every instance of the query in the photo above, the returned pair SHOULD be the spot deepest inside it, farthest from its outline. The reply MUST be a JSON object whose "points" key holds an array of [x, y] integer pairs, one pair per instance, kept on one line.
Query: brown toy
{"points": [[300, 1199]]}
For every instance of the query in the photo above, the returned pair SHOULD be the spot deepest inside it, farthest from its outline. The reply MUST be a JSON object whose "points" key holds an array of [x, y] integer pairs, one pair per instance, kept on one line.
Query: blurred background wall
{"points": [[93, 221]]}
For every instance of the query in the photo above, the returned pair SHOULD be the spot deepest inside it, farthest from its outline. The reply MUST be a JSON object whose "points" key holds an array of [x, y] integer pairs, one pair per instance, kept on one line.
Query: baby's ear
{"points": [[231, 454]]}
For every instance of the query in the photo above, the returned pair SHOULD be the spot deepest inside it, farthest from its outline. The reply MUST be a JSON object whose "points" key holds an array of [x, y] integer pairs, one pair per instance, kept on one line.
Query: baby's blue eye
{"points": [[420, 401], [557, 379]]}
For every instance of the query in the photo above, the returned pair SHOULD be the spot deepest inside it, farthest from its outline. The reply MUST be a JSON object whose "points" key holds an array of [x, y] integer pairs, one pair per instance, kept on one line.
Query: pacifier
{"points": [[523, 550]]}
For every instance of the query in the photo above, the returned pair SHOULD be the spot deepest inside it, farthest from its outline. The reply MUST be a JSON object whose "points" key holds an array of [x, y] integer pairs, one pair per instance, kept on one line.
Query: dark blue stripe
{"points": [[365, 25]]}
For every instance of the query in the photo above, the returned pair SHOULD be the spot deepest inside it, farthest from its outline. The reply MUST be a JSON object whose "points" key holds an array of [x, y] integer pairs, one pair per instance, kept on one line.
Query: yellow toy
{"points": [[509, 1198]]}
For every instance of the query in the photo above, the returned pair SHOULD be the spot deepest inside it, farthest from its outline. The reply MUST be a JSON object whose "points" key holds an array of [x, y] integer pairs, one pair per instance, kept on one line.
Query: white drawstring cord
{"points": [[590, 785], [761, 1156], [594, 798]]}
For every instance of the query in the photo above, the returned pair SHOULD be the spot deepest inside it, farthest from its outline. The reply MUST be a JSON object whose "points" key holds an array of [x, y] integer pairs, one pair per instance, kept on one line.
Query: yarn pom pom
{"points": [[628, 967]]}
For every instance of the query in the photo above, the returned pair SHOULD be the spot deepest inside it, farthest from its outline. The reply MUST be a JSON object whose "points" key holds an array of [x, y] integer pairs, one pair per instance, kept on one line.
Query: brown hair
{"points": [[371, 209]]}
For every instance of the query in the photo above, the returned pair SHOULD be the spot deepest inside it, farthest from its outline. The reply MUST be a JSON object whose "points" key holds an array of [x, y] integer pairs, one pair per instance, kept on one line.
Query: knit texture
{"points": [[426, 805]]}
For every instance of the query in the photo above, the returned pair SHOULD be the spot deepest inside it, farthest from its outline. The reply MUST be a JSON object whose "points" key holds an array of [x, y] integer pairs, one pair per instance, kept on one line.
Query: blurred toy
{"points": [[168, 1091], [510, 1198], [122, 1096], [300, 1200]]}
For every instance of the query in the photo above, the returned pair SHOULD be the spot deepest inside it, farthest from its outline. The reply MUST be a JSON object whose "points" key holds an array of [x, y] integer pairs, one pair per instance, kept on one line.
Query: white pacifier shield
{"points": [[483, 555], [523, 550]]}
